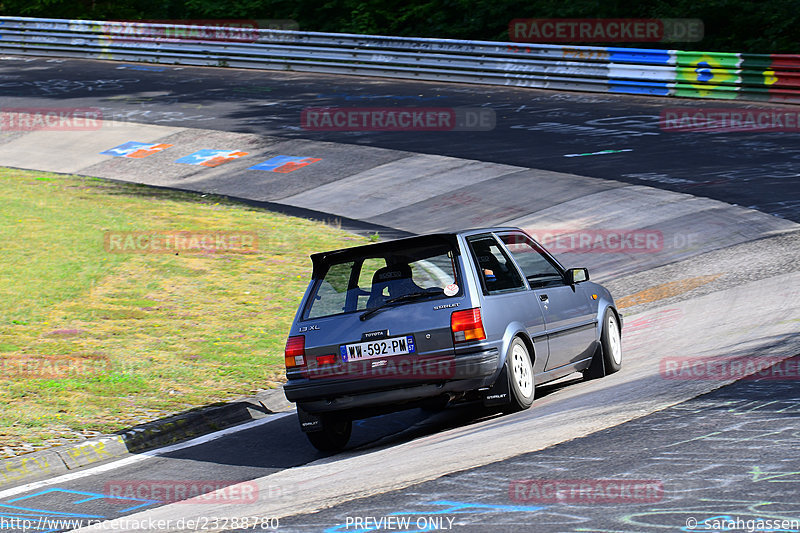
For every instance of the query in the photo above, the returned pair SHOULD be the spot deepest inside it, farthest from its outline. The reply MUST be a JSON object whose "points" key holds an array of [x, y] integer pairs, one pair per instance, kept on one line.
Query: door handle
{"points": [[543, 297]]}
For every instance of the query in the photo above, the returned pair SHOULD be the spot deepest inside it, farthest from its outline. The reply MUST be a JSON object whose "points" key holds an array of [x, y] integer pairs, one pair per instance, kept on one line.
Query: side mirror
{"points": [[577, 275]]}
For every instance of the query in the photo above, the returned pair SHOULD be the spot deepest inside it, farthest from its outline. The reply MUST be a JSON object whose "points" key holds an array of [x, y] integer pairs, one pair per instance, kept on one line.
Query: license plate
{"points": [[377, 348]]}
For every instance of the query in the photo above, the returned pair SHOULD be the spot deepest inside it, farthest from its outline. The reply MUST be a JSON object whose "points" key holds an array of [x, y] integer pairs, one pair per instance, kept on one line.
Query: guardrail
{"points": [[767, 77]]}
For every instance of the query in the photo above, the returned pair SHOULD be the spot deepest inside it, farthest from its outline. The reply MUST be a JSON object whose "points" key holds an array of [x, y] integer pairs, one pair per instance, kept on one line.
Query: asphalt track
{"points": [[534, 128], [726, 455], [751, 310]]}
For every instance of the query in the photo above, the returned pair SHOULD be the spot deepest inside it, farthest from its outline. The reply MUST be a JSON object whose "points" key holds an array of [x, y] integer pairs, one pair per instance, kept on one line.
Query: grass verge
{"points": [[93, 341]]}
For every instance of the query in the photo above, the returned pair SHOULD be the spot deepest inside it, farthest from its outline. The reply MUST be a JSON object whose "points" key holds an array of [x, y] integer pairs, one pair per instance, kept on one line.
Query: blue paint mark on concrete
{"points": [[96, 496], [90, 496], [45, 511], [201, 156], [284, 163], [210, 158], [44, 517], [136, 150], [127, 148], [462, 507]]}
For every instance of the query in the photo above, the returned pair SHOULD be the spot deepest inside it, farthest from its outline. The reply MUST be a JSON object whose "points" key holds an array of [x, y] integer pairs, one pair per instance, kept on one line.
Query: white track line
{"points": [[140, 457]]}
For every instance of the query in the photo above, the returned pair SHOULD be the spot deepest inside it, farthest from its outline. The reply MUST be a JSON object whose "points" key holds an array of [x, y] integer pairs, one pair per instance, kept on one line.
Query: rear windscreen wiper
{"points": [[411, 296]]}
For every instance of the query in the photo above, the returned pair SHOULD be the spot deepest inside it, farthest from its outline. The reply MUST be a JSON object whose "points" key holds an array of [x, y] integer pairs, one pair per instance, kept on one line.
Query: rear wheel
{"points": [[334, 434], [520, 376], [608, 357]]}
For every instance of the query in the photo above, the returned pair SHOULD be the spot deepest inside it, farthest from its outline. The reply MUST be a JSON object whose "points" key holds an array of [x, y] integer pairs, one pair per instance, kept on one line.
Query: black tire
{"points": [[334, 434], [521, 385], [607, 359]]}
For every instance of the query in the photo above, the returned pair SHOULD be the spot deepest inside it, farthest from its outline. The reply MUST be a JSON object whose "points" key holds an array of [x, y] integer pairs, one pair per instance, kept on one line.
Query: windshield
{"points": [[371, 281]]}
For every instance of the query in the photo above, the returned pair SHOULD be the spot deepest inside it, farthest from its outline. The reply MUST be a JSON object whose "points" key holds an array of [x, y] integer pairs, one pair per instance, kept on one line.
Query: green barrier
{"points": [[707, 74], [719, 92]]}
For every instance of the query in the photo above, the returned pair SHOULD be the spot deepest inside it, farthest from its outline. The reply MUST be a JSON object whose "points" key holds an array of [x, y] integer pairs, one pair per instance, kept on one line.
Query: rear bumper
{"points": [[469, 371]]}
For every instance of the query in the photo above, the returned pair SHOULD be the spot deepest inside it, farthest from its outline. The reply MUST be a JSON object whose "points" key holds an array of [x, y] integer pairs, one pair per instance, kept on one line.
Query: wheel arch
{"points": [[603, 301], [601, 314], [618, 316], [514, 330]]}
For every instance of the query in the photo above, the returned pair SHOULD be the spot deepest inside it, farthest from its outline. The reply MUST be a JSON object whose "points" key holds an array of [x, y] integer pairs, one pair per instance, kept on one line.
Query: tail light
{"points": [[295, 352], [467, 325]]}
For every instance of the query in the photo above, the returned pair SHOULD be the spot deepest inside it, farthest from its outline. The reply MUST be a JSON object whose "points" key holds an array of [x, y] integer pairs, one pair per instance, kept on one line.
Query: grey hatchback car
{"points": [[482, 315]]}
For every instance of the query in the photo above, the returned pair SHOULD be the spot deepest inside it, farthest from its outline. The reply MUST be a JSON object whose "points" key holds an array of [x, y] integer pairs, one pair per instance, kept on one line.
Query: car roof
{"points": [[495, 229], [346, 254]]}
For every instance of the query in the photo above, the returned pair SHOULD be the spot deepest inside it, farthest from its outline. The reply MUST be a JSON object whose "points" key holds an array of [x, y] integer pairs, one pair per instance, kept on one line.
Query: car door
{"points": [[506, 295], [570, 323]]}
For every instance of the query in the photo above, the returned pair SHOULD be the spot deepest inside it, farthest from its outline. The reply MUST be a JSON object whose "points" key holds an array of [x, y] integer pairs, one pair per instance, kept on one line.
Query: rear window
{"points": [[370, 281]]}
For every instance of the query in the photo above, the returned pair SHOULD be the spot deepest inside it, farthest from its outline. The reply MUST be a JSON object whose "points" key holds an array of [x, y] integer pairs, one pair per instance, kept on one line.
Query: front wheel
{"points": [[608, 357], [520, 376], [334, 434]]}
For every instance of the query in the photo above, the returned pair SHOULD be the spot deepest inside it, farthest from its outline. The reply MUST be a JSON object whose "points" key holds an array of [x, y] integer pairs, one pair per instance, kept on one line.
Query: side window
{"points": [[494, 267], [534, 264], [331, 296], [434, 273]]}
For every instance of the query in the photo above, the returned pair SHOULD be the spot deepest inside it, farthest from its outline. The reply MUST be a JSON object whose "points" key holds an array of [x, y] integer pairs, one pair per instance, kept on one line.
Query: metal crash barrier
{"points": [[716, 75]]}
